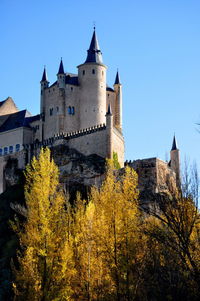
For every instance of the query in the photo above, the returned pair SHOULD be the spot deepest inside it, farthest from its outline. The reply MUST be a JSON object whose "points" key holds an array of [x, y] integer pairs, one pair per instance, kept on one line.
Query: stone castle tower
{"points": [[78, 110], [77, 102], [80, 119]]}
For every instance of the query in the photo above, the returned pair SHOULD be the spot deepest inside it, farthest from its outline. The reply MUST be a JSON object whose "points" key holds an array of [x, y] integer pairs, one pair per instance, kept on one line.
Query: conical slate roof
{"points": [[44, 76], [174, 144], [94, 53], [117, 80], [61, 68]]}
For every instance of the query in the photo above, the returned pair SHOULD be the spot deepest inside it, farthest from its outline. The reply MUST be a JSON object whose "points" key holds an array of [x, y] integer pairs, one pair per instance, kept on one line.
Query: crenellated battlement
{"points": [[67, 136]]}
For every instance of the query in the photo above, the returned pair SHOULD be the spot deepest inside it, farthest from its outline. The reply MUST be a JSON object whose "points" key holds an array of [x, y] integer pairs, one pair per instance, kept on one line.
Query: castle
{"points": [[83, 113]]}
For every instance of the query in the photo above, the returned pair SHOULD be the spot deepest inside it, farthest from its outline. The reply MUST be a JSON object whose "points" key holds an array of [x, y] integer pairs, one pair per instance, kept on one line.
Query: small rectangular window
{"points": [[83, 72], [93, 71], [5, 150], [10, 149], [1, 152], [17, 147]]}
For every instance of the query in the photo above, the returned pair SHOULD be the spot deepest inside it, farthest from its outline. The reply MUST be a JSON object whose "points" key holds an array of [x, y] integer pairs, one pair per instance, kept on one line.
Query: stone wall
{"points": [[59, 100], [154, 177], [166, 177], [147, 173], [118, 145]]}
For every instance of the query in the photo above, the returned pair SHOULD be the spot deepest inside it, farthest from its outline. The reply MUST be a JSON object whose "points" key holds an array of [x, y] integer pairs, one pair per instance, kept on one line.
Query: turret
{"points": [[61, 76], [92, 81], [109, 132], [118, 106], [175, 160], [43, 85]]}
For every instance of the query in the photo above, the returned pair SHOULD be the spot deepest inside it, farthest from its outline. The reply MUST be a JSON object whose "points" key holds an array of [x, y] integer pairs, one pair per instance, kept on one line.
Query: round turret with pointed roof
{"points": [[174, 144], [94, 53], [61, 68], [117, 79], [44, 76]]}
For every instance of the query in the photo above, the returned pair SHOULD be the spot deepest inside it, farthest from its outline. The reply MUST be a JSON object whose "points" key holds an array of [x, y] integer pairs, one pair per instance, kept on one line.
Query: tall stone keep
{"points": [[92, 81]]}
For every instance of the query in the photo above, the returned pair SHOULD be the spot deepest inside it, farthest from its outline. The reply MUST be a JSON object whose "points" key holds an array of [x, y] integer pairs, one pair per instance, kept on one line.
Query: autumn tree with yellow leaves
{"points": [[45, 257], [109, 247], [106, 247]]}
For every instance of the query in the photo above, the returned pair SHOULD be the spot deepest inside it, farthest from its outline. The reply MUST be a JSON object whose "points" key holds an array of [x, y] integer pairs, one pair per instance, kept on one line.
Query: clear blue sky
{"points": [[155, 45]]}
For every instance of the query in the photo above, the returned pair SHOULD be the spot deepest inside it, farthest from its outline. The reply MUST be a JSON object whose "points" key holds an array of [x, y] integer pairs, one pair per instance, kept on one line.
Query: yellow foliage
{"points": [[46, 264]]}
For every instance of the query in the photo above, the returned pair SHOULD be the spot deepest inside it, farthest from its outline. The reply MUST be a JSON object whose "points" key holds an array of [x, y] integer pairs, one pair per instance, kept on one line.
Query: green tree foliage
{"points": [[115, 161]]}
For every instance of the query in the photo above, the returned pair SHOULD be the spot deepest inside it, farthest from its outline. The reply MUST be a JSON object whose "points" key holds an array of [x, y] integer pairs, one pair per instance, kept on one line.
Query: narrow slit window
{"points": [[93, 71], [51, 111], [73, 111], [1, 152]]}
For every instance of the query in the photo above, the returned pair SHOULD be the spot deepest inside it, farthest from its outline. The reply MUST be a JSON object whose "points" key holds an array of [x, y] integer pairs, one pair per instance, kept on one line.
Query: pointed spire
{"points": [[174, 144], [44, 76], [117, 79], [94, 53], [109, 112], [61, 68]]}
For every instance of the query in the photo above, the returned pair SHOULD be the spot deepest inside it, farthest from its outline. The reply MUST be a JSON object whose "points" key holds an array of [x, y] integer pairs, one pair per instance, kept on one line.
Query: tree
{"points": [[45, 259], [109, 246], [175, 228]]}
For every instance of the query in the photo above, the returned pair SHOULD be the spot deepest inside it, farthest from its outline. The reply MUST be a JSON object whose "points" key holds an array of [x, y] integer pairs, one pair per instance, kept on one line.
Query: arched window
{"points": [[1, 152], [5, 150], [72, 111], [10, 149], [17, 147], [69, 110], [83, 72]]}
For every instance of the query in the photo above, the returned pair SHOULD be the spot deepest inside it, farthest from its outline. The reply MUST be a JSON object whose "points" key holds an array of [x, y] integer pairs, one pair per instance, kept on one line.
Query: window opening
{"points": [[69, 110], [17, 147], [10, 149], [51, 111], [5, 150]]}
